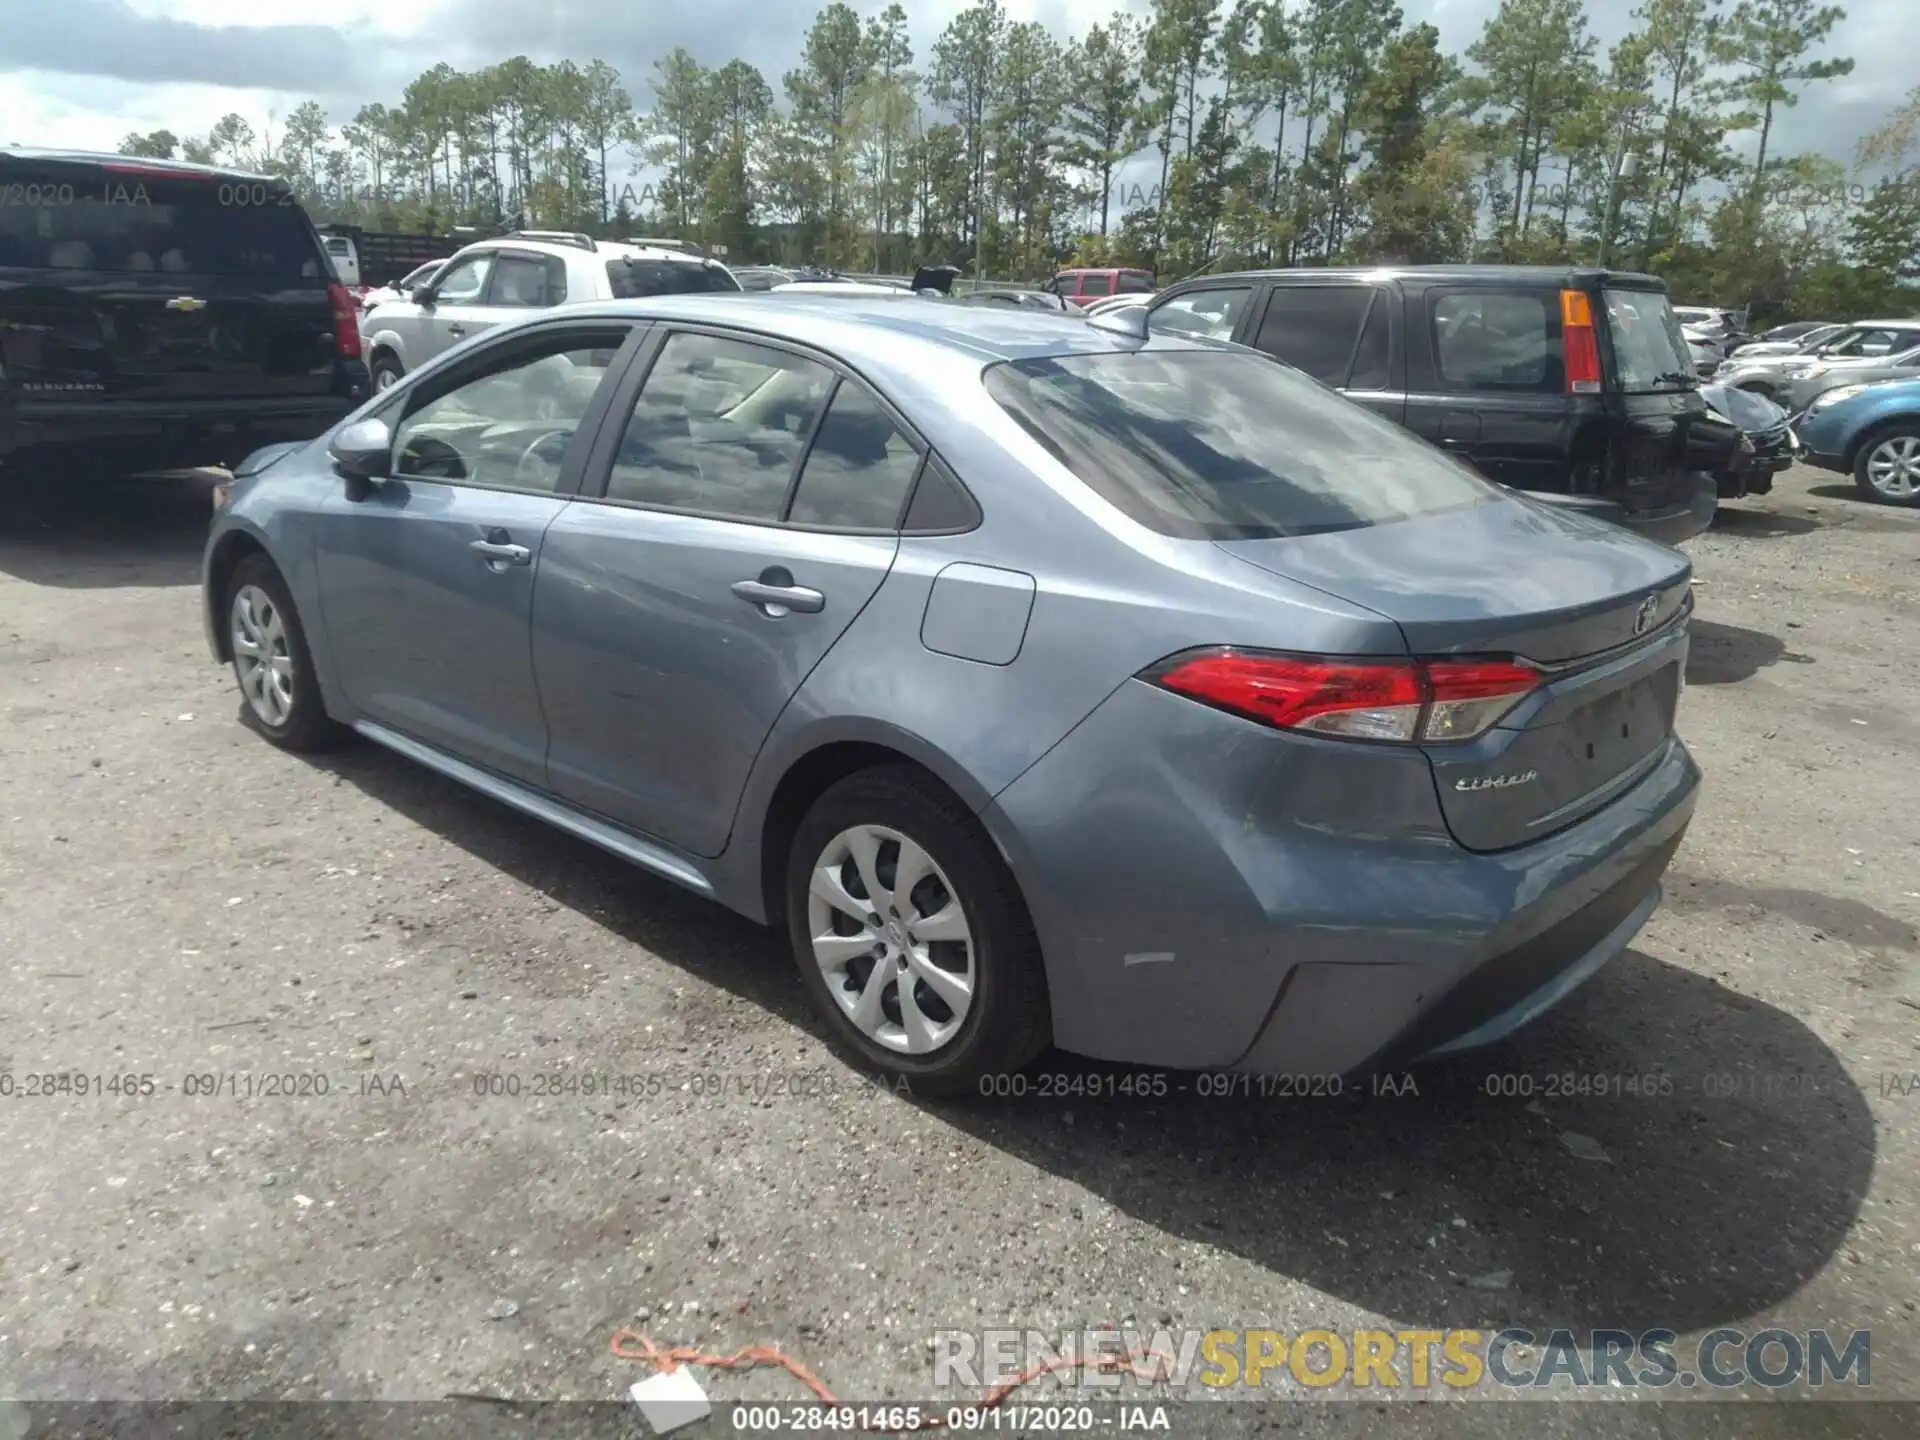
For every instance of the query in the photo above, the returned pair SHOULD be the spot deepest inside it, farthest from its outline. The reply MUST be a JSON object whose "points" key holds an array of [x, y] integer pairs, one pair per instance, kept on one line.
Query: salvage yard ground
{"points": [[179, 900]]}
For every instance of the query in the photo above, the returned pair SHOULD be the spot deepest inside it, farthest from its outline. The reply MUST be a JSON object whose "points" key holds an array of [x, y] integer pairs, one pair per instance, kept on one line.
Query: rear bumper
{"points": [[1669, 524], [1323, 920], [164, 435]]}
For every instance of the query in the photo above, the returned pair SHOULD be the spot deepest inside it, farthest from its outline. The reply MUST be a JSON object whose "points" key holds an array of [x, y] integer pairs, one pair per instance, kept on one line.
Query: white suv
{"points": [[494, 281]]}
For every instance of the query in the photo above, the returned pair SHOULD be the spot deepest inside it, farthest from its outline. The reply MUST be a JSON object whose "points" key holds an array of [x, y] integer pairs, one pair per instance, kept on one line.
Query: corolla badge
{"points": [[1643, 617], [1497, 782]]}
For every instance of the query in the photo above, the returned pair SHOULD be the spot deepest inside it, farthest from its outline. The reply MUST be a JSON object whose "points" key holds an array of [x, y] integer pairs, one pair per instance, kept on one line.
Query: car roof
{"points": [[885, 331], [1881, 324], [1488, 274], [137, 163]]}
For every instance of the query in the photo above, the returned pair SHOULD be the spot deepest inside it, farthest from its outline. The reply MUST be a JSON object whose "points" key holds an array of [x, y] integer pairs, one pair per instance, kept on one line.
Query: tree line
{"points": [[1273, 133]]}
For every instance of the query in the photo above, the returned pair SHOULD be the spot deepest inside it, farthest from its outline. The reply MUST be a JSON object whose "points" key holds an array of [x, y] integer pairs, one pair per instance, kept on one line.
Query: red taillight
{"points": [[1579, 345], [346, 321], [1398, 700]]}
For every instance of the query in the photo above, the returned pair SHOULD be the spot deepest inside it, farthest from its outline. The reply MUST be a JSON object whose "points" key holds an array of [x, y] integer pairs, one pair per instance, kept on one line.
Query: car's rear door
{"points": [[131, 281], [742, 507]]}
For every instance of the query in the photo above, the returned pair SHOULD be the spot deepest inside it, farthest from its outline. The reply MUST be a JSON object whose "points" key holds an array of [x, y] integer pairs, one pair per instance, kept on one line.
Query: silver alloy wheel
{"points": [[891, 937], [384, 378], [262, 655], [1893, 466]]}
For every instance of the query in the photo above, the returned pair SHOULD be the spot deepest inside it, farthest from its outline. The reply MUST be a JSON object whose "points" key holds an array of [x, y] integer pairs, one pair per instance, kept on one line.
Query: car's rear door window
{"points": [[1315, 328], [1497, 340], [103, 221], [719, 427], [527, 281], [1098, 283], [859, 470], [1212, 313], [1226, 444], [1134, 282]]}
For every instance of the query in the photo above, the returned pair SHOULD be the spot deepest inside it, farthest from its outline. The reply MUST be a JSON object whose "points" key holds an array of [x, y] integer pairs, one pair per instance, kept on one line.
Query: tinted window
{"points": [[1212, 313], [1373, 360], [465, 281], [1497, 340], [81, 218], [1132, 282], [527, 281], [511, 425], [636, 279], [1649, 351], [1226, 444], [1314, 327], [859, 470], [718, 428], [1096, 284]]}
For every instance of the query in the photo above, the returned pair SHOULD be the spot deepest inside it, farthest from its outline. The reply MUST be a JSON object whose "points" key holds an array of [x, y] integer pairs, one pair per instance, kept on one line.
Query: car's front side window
{"points": [[718, 427], [1212, 314], [510, 425], [465, 281]]}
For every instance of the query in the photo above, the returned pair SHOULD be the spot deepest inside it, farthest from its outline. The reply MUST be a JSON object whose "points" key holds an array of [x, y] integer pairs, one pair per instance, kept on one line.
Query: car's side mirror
{"points": [[363, 454], [422, 295]]}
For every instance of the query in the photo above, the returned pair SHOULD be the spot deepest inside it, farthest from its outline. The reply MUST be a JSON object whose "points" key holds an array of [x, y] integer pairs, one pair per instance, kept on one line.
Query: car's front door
{"points": [[455, 309], [748, 503], [427, 578]]}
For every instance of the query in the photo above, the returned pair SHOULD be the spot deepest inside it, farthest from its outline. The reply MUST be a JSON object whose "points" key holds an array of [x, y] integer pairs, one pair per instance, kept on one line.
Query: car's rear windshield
{"points": [[1220, 444], [92, 219], [1649, 352], [637, 279]]}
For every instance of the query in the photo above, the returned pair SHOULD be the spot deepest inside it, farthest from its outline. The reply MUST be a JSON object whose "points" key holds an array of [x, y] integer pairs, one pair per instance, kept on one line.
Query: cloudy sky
{"points": [[82, 73]]}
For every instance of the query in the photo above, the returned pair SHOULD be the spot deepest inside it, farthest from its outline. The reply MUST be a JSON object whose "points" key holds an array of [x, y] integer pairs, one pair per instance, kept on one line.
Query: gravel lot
{"points": [[178, 899]]}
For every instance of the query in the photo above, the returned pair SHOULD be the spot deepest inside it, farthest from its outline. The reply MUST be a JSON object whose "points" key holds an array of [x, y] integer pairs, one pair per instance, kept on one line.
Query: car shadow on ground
{"points": [[1761, 524], [1661, 1151], [1727, 654], [96, 534]]}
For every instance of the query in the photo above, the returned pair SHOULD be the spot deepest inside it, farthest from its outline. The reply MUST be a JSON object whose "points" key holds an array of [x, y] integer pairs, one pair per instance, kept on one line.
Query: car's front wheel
{"points": [[386, 372], [279, 692], [1888, 466], [911, 935]]}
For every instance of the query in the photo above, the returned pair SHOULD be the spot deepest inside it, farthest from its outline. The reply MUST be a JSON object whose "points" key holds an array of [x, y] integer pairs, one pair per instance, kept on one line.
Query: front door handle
{"points": [[777, 599], [499, 554]]}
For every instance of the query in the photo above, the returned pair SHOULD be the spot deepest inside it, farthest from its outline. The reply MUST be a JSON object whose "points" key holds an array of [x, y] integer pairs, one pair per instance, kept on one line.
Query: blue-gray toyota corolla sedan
{"points": [[1046, 682]]}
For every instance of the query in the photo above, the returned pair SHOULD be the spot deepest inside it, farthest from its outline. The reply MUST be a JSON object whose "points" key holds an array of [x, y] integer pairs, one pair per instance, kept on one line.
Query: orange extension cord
{"points": [[632, 1345]]}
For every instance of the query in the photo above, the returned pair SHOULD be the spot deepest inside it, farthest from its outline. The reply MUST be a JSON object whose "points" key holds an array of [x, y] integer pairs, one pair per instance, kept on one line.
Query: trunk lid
{"points": [[1598, 610], [140, 284]]}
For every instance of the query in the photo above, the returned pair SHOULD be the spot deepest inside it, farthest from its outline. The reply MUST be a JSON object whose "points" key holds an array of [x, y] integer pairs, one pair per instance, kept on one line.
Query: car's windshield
{"points": [[1226, 444], [1649, 350]]}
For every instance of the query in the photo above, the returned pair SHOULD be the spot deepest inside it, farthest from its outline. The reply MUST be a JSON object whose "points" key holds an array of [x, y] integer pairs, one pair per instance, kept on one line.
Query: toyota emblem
{"points": [[1643, 617]]}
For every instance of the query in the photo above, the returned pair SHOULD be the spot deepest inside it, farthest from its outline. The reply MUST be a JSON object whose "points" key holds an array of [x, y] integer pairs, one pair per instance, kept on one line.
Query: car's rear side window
{"points": [[637, 279], [1226, 445], [1132, 282], [1315, 328], [859, 469], [1098, 283], [73, 218], [1498, 340]]}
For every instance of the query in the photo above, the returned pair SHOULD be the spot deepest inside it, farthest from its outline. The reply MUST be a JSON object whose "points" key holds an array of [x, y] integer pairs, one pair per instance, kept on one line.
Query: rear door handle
{"points": [[500, 553], [777, 600]]}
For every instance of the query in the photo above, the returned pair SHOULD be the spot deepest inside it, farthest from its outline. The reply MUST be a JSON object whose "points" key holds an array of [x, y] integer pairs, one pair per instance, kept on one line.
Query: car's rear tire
{"points": [[962, 995], [279, 691], [1887, 466], [386, 371]]}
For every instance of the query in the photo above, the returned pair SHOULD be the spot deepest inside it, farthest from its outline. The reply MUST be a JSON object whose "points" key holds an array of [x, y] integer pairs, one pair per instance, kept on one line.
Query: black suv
{"points": [[1567, 382], [157, 315]]}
